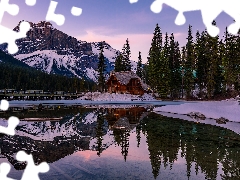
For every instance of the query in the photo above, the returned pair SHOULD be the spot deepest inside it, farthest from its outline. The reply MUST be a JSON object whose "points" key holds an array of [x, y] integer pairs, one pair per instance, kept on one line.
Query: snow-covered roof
{"points": [[125, 76]]}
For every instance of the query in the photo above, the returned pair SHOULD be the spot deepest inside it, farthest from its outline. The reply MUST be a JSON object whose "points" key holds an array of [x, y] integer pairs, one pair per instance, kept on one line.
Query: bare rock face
{"points": [[43, 36], [222, 120], [197, 115]]}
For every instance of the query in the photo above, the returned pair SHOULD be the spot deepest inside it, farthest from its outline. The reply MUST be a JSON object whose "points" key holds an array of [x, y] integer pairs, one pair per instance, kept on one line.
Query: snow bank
{"points": [[97, 96], [229, 109]]}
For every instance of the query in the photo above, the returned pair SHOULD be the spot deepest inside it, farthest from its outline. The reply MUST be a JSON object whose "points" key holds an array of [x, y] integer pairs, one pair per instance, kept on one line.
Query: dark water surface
{"points": [[118, 143]]}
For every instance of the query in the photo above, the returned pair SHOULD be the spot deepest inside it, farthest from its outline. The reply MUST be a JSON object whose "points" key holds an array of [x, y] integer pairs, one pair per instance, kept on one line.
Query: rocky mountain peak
{"points": [[53, 51], [43, 36]]}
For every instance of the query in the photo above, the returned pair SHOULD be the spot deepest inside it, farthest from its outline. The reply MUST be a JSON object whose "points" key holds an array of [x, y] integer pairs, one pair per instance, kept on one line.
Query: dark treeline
{"points": [[206, 67], [17, 75]]}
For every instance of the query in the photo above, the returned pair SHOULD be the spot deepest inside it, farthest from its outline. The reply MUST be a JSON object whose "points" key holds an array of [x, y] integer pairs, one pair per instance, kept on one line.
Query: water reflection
{"points": [[204, 145], [135, 135]]}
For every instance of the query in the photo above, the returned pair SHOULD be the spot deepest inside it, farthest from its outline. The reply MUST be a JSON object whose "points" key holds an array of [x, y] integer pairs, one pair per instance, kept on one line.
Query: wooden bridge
{"points": [[38, 95]]}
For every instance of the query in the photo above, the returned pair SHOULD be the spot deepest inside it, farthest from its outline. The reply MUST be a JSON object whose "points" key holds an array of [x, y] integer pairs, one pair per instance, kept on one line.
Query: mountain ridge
{"points": [[53, 51]]}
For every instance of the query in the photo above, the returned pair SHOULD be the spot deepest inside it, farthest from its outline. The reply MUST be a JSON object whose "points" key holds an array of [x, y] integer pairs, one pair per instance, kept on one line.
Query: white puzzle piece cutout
{"points": [[30, 2], [59, 19], [31, 171], [8, 35], [76, 11], [133, 1], [4, 170], [12, 124], [12, 121], [209, 9], [4, 105]]}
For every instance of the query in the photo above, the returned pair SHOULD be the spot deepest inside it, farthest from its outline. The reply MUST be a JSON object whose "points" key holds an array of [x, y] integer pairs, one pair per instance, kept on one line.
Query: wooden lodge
{"points": [[126, 82]]}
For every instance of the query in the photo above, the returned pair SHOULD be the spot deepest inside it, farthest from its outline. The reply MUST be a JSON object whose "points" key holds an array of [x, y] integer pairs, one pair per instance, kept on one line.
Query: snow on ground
{"points": [[229, 109], [97, 96]]}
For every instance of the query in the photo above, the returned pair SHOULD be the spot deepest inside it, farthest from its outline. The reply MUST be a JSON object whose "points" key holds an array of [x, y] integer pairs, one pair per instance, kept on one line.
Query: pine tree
{"points": [[119, 63], [189, 64], [183, 61], [231, 61], [126, 52], [145, 73], [154, 58], [174, 68], [139, 66], [213, 64], [163, 72], [171, 59], [177, 71], [237, 76], [200, 52], [101, 69]]}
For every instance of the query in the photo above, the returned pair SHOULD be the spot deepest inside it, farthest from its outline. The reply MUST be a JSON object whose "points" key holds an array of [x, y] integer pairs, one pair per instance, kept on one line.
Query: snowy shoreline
{"points": [[97, 96], [229, 109]]}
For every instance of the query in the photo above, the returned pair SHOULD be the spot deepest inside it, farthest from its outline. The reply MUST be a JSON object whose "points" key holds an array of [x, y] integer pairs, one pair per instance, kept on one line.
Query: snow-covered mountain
{"points": [[50, 50]]}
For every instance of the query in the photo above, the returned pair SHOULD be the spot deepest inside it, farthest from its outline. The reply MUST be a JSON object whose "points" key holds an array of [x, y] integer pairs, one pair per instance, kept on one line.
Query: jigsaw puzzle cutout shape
{"points": [[59, 19], [12, 121], [209, 9], [4, 170], [10, 130], [31, 171], [4, 105], [30, 2], [133, 1], [7, 35], [12, 124]]}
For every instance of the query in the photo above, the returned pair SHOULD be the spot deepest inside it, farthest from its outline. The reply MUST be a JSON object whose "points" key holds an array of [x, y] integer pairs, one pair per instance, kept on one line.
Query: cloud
{"points": [[138, 42]]}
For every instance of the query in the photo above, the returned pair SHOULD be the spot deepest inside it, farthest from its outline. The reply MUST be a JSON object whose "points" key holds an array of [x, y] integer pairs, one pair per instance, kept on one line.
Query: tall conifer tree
{"points": [[201, 69], [163, 83], [139, 66], [154, 58], [189, 64], [101, 69], [174, 68], [213, 64], [126, 53]]}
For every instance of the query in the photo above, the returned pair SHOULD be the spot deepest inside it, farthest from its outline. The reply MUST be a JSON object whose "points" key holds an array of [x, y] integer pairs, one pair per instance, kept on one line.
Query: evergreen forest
{"points": [[205, 68], [17, 75]]}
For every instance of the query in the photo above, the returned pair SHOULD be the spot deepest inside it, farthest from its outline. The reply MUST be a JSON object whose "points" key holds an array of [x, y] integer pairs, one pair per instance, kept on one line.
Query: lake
{"points": [[116, 142]]}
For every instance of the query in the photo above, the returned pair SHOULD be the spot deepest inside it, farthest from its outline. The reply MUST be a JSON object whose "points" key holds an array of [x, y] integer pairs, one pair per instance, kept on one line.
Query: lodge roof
{"points": [[125, 76]]}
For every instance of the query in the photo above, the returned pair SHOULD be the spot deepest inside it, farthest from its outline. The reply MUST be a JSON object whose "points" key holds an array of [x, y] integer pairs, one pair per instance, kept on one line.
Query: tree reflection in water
{"points": [[208, 148], [202, 144], [99, 132]]}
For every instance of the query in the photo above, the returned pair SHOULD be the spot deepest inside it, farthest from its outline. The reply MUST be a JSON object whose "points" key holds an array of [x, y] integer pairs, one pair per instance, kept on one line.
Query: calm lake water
{"points": [[121, 143]]}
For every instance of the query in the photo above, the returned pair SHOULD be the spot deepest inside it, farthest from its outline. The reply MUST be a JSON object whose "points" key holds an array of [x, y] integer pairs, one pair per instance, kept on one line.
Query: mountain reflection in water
{"points": [[118, 143]]}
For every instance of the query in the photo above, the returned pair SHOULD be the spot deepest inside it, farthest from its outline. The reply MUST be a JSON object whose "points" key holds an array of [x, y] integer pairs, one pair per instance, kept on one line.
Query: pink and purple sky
{"points": [[114, 21]]}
